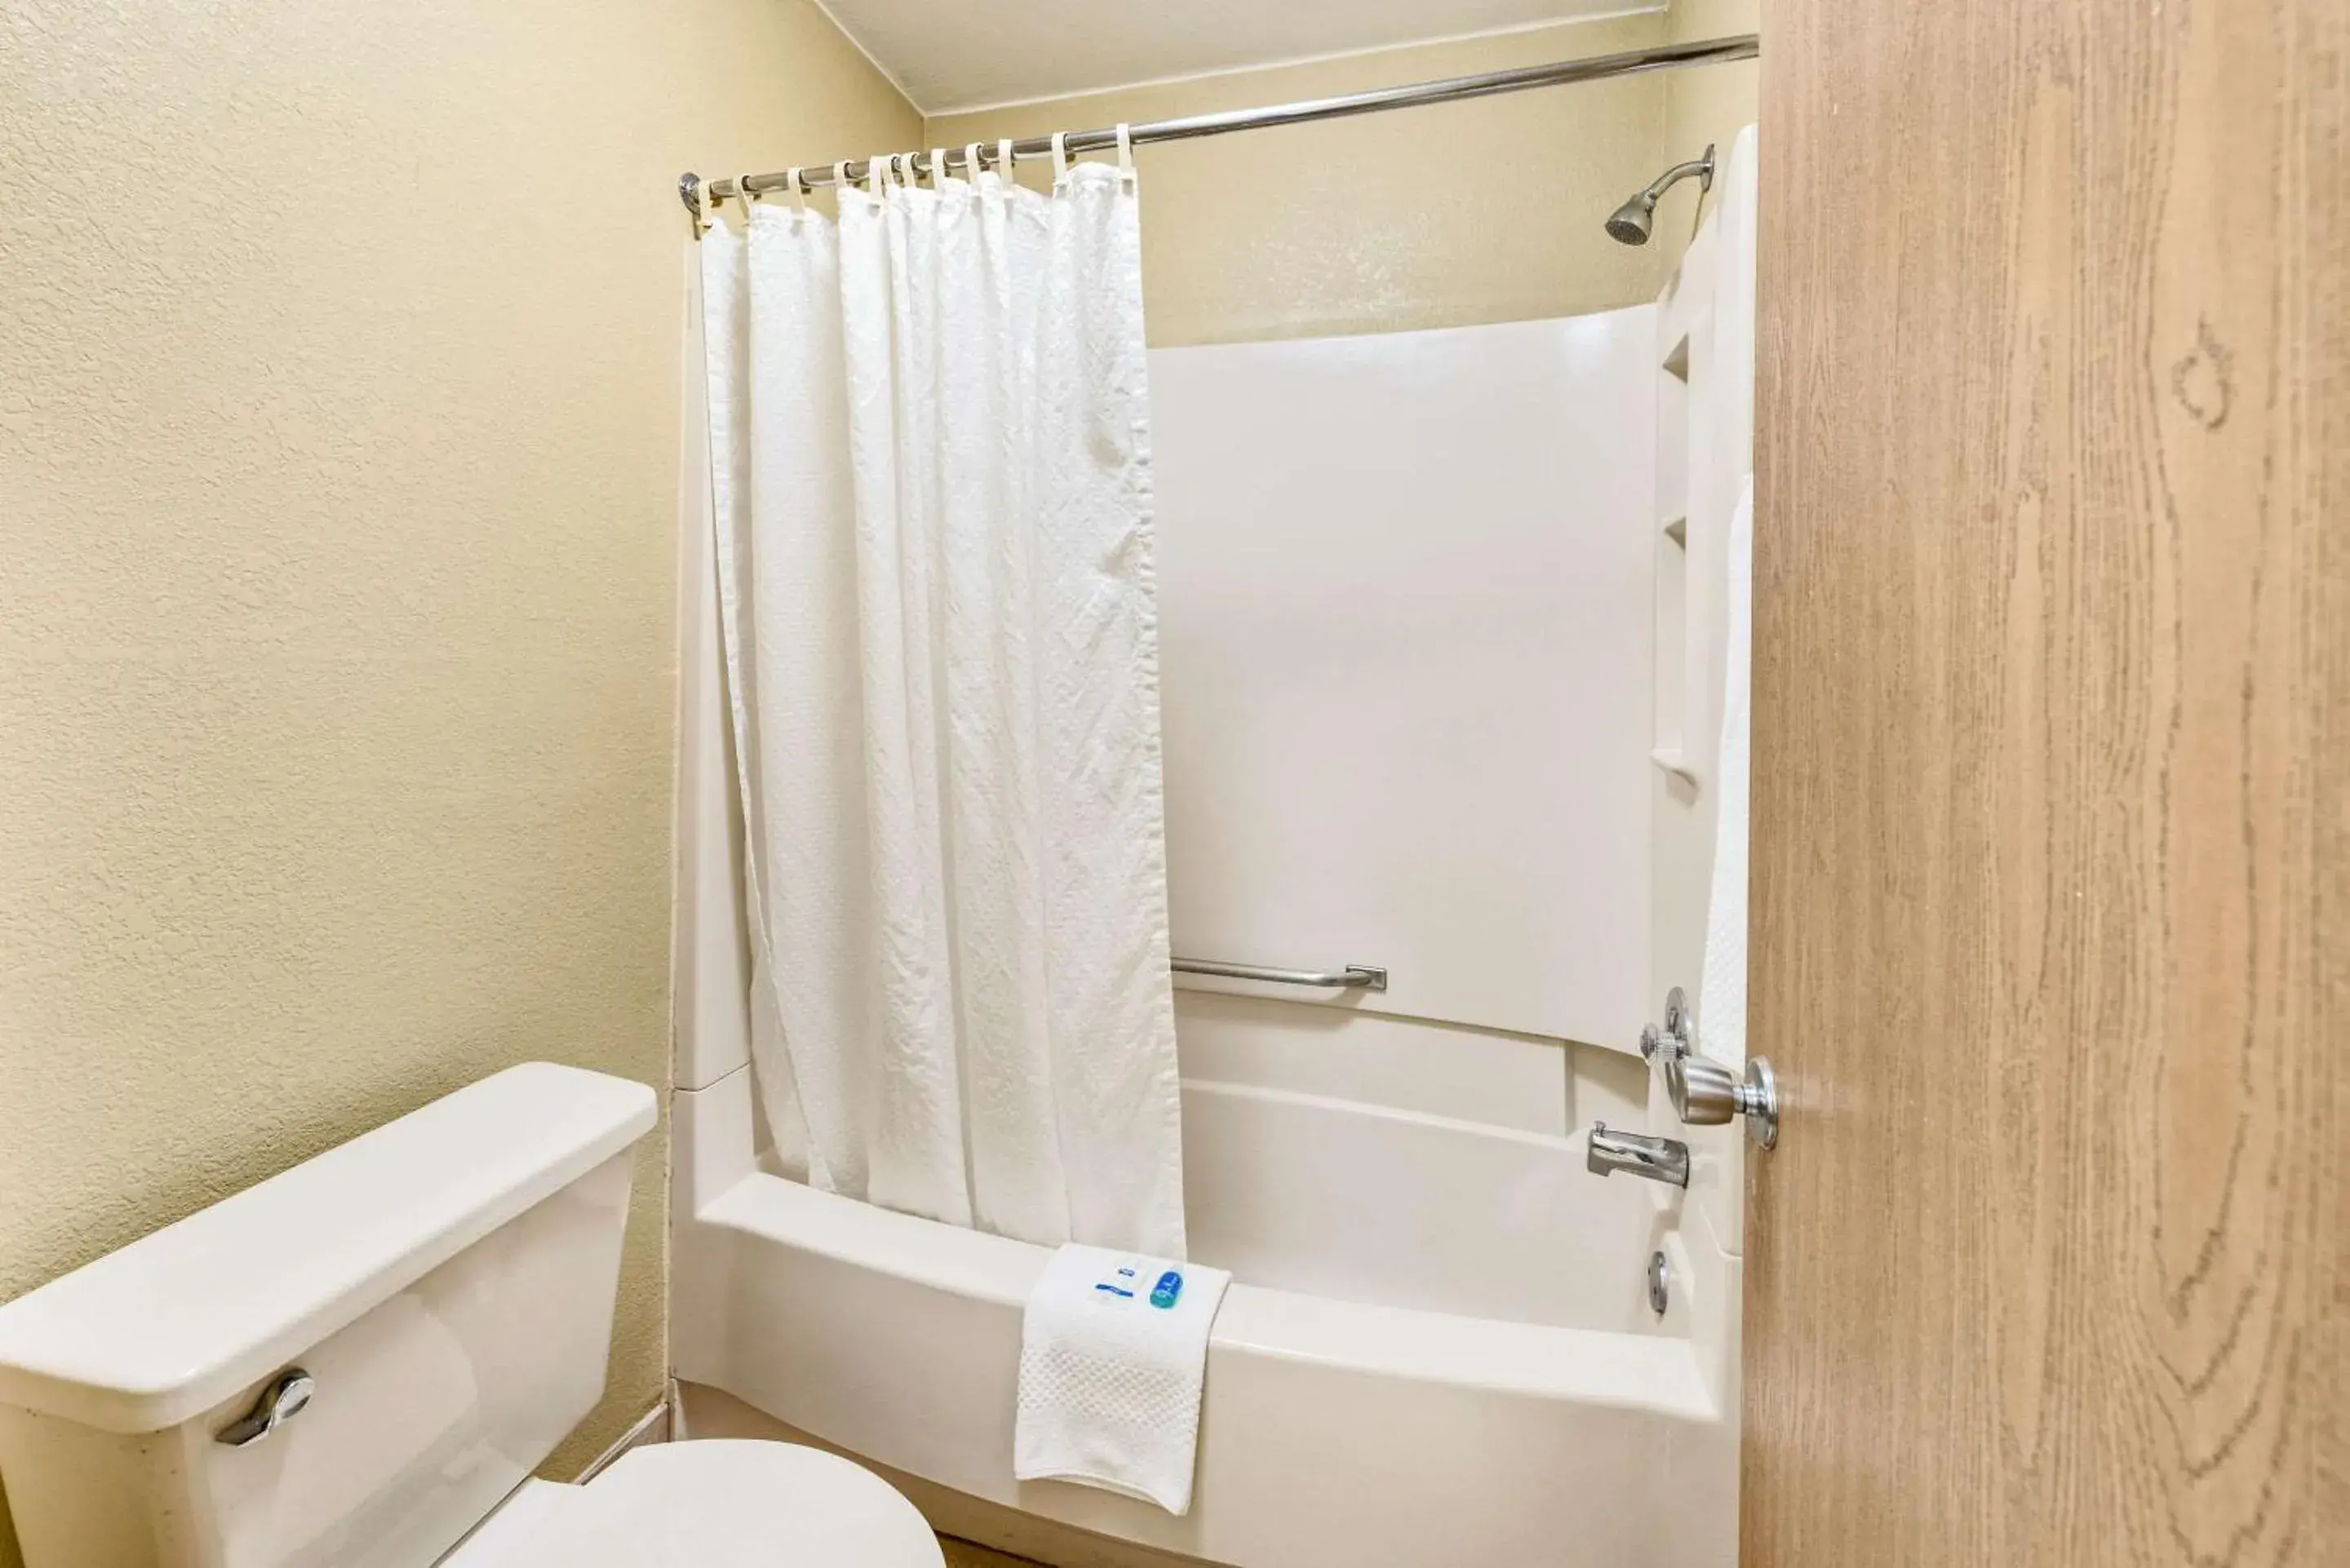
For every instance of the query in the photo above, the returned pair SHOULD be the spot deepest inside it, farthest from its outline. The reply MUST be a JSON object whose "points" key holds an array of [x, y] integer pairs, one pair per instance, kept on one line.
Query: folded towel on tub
{"points": [[1113, 1357]]}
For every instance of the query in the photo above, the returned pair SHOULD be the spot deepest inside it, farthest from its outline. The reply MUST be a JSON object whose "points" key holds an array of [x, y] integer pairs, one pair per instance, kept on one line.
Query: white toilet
{"points": [[359, 1362]]}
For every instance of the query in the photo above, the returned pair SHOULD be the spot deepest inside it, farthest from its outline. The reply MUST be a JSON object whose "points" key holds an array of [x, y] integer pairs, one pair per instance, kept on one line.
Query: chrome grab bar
{"points": [[1354, 977]]}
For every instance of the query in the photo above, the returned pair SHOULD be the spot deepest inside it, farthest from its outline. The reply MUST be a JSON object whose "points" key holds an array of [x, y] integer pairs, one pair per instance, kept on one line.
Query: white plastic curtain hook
{"points": [[750, 198], [970, 164], [938, 168], [1126, 149], [1004, 159], [876, 175], [1060, 158], [798, 189]]}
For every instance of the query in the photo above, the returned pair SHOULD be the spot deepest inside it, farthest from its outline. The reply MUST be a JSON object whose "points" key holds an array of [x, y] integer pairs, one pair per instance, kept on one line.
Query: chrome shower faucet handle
{"points": [[1707, 1092]]}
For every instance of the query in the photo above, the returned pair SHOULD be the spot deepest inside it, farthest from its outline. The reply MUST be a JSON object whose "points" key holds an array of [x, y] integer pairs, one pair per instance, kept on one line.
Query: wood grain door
{"points": [[2052, 729]]}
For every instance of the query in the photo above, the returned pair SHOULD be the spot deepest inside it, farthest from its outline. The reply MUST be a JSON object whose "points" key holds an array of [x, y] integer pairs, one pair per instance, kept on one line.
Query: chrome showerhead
{"points": [[1632, 223]]}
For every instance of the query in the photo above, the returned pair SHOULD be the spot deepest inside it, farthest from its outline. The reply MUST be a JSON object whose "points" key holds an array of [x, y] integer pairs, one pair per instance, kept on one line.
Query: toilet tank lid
{"points": [[180, 1320]]}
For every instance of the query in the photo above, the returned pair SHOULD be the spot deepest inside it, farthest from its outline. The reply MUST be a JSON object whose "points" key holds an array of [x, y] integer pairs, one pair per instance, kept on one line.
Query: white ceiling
{"points": [[952, 55]]}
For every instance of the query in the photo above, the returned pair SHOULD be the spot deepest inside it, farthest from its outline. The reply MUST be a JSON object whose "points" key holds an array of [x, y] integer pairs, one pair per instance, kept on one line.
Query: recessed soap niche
{"points": [[1671, 545], [1685, 347]]}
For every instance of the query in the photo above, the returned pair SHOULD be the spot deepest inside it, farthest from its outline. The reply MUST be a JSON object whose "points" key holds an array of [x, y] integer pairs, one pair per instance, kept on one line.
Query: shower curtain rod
{"points": [[1558, 73]]}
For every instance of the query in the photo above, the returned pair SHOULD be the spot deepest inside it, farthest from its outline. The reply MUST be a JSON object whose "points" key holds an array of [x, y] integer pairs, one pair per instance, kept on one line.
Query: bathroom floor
{"points": [[963, 1554]]}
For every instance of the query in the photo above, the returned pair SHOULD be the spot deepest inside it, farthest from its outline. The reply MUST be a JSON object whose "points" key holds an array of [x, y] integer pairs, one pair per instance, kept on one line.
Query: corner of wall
{"points": [[1702, 107], [1506, 196]]}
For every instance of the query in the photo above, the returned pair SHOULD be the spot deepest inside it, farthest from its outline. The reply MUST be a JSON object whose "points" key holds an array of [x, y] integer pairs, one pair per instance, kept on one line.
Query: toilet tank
{"points": [[446, 1283]]}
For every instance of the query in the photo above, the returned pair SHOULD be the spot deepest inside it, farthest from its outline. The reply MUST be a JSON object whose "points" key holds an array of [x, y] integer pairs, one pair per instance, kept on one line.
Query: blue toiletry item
{"points": [[1170, 1286]]}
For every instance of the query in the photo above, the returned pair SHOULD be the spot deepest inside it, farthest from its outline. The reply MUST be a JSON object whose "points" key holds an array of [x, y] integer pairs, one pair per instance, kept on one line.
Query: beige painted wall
{"points": [[1484, 211], [338, 476], [1713, 105]]}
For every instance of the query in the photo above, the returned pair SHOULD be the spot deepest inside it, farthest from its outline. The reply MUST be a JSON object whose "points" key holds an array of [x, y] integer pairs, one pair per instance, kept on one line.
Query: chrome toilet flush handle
{"points": [[287, 1396]]}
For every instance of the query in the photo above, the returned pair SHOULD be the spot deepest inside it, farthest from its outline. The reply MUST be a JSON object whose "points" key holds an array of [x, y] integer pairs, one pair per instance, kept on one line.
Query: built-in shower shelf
{"points": [[1676, 530], [1670, 759], [1677, 358]]}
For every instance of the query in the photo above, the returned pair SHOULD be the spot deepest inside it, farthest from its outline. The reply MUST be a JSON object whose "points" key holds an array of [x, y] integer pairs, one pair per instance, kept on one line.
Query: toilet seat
{"points": [[710, 1504]]}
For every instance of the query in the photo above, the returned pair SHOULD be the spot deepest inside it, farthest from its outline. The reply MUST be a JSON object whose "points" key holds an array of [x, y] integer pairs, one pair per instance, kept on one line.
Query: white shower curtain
{"points": [[931, 468]]}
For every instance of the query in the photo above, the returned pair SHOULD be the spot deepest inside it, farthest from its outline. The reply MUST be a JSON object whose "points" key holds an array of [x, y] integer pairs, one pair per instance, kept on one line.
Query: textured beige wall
{"points": [[1484, 211], [338, 466]]}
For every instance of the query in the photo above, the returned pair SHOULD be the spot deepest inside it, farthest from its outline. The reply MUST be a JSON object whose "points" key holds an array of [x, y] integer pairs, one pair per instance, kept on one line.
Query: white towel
{"points": [[1722, 993], [1113, 1356]]}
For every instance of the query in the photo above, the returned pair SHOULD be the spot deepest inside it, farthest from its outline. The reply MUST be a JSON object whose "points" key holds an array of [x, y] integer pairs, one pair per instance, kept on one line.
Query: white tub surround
{"points": [[1404, 583]]}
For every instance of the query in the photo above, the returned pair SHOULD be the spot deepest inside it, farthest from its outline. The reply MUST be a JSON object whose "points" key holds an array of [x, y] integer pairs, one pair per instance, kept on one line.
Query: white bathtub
{"points": [[1438, 1348]]}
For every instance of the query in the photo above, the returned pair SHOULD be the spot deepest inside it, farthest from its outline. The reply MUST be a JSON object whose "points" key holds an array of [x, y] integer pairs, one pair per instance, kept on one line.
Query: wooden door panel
{"points": [[2051, 861]]}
